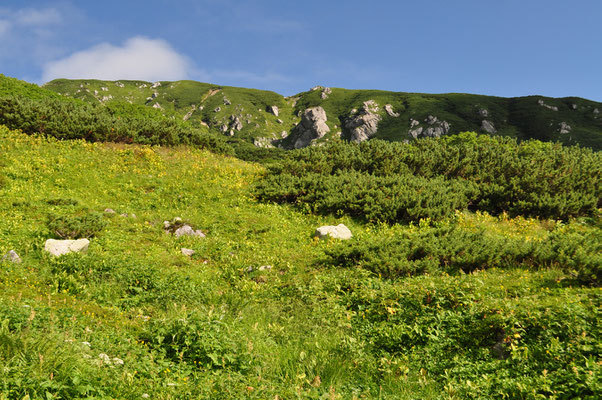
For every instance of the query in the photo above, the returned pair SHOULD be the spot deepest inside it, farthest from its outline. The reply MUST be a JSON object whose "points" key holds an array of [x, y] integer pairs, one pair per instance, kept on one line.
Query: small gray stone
{"points": [[109, 211], [12, 257], [265, 268], [187, 252]]}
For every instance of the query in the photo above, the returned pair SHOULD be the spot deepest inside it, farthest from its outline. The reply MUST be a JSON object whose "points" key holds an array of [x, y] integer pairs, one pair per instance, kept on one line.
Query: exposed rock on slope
{"points": [[364, 124], [488, 127], [312, 126], [435, 128]]}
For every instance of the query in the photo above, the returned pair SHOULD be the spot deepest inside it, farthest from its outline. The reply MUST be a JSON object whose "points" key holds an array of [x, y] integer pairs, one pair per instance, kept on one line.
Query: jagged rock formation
{"points": [[263, 142], [543, 104], [488, 127], [563, 127], [435, 128], [312, 126], [390, 112], [363, 124], [325, 92]]}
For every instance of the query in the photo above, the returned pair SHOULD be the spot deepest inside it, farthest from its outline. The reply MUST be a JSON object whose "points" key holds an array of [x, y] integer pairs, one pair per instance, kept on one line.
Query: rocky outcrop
{"points": [[336, 232], [312, 126], [227, 102], [60, 247], [563, 127], [325, 92], [483, 113], [543, 104], [435, 128], [263, 142], [363, 124], [488, 127], [390, 112], [186, 230], [235, 123], [273, 110]]}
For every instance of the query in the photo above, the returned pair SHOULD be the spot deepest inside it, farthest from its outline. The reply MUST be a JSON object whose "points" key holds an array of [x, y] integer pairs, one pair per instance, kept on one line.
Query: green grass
{"points": [[207, 327]]}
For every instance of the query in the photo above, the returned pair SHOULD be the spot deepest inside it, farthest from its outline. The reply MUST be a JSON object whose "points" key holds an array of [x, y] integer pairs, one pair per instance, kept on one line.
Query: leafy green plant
{"points": [[87, 225]]}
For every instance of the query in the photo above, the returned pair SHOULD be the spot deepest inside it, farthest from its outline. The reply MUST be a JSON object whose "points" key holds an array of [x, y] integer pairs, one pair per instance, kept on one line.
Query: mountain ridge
{"points": [[248, 114]]}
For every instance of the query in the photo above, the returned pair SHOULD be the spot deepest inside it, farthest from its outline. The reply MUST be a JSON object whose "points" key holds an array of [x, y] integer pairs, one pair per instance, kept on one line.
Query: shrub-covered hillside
{"points": [[461, 306], [36, 110], [247, 114]]}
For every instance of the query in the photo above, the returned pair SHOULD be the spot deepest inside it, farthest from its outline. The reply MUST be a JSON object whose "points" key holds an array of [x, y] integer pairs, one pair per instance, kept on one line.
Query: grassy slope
{"points": [[249, 105], [266, 334], [520, 117]]}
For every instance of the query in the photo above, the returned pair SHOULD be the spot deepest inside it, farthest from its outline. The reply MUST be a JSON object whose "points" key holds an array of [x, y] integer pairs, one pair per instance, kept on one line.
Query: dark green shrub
{"points": [[76, 226], [494, 174]]}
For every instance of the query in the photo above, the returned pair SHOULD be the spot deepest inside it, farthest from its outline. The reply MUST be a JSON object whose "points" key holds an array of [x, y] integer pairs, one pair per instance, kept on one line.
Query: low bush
{"points": [[431, 177]]}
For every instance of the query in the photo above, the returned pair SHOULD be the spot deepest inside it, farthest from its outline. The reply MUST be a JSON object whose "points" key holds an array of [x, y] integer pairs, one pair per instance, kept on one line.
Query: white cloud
{"points": [[139, 58]]}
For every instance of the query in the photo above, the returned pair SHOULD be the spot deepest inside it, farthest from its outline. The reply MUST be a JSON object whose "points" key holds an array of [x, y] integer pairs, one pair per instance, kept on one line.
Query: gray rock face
{"points": [[273, 110], [336, 232], [563, 127], [60, 247], [488, 127], [236, 123], [435, 128], [325, 92], [312, 126], [543, 104], [12, 257], [483, 113], [364, 123], [186, 230], [390, 112], [263, 142]]}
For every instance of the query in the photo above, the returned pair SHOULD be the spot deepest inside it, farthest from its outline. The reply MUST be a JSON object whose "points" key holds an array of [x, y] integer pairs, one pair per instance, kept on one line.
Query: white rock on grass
{"points": [[187, 252], [60, 247], [12, 257], [187, 230], [336, 232]]}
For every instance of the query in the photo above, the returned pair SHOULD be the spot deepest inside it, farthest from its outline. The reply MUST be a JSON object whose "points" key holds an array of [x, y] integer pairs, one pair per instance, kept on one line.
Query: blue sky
{"points": [[503, 47]]}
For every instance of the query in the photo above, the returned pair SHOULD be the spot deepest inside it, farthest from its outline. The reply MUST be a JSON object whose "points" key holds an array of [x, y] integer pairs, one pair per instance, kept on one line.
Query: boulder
{"points": [[390, 112], [11, 257], [364, 123], [488, 127], [186, 230], [435, 129], [483, 113], [109, 211], [227, 102], [274, 110], [337, 232], [217, 109], [60, 247], [312, 126]]}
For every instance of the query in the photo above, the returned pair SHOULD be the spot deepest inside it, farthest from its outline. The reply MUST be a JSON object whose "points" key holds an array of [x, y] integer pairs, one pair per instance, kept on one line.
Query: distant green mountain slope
{"points": [[248, 114]]}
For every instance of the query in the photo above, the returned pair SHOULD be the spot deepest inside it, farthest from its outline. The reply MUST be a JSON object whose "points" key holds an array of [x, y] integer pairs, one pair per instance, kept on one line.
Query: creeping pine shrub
{"points": [[452, 249], [76, 226], [398, 182]]}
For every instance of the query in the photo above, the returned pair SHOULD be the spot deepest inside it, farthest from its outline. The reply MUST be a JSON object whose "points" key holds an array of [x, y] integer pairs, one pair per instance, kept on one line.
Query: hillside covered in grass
{"points": [[247, 114], [460, 305]]}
